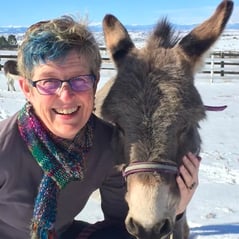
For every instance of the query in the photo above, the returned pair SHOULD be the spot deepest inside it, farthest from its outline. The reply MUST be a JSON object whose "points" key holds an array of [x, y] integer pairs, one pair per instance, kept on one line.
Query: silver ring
{"points": [[192, 186]]}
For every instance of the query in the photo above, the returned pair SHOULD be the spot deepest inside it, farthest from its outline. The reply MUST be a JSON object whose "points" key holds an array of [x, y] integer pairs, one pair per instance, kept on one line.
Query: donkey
{"points": [[11, 73], [157, 108]]}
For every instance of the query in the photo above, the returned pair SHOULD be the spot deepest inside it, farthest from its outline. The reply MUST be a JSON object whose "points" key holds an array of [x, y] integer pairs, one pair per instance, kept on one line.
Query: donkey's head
{"points": [[157, 108]]}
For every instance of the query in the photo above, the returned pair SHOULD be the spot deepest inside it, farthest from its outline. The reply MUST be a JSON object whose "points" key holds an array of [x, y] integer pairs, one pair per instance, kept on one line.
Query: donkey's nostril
{"points": [[163, 228], [132, 226]]}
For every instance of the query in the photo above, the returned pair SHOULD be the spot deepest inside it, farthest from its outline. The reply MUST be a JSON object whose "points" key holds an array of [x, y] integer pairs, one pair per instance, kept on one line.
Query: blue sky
{"points": [[27, 12]]}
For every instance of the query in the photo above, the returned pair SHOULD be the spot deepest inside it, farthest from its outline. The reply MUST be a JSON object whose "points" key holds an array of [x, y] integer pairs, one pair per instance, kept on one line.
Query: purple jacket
{"points": [[20, 176]]}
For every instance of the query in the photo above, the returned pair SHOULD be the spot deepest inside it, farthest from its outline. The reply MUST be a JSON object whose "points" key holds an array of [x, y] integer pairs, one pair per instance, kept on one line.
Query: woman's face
{"points": [[66, 112]]}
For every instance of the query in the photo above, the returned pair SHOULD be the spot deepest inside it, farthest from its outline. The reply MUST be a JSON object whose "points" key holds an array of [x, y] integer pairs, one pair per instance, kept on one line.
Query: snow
{"points": [[214, 210]]}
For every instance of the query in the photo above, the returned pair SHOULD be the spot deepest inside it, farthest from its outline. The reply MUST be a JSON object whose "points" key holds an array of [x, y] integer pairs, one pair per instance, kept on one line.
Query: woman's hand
{"points": [[187, 180]]}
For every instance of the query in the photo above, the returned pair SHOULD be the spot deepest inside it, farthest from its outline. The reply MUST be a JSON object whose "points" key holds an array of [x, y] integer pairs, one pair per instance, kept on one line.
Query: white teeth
{"points": [[66, 111]]}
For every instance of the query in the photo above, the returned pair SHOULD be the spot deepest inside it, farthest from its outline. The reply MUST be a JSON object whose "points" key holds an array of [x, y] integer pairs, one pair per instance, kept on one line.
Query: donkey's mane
{"points": [[165, 34]]}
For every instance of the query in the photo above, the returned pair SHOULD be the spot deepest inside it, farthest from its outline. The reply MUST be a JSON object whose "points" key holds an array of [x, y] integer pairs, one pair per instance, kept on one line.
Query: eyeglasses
{"points": [[51, 86]]}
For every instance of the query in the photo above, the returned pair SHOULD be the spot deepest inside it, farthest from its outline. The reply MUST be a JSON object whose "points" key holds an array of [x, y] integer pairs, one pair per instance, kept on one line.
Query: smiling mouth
{"points": [[66, 111]]}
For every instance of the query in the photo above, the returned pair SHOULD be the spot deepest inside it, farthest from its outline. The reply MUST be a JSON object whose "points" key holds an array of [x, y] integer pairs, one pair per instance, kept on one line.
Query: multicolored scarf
{"points": [[62, 162]]}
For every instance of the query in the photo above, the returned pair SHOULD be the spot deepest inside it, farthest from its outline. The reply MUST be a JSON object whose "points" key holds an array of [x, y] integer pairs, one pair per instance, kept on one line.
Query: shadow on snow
{"points": [[210, 230]]}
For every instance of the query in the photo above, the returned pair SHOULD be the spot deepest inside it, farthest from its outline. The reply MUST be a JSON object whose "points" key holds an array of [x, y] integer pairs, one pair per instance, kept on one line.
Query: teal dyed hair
{"points": [[52, 40]]}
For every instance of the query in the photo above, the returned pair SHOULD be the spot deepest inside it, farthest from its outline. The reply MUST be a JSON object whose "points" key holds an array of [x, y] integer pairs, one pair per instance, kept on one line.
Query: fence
{"points": [[219, 65]]}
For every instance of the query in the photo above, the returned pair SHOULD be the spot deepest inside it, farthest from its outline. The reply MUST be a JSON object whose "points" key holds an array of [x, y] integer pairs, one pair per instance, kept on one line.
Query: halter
{"points": [[215, 108], [142, 167]]}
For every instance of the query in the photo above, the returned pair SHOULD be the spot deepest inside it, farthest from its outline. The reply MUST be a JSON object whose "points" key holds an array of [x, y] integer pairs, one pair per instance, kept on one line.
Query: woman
{"points": [[55, 152]]}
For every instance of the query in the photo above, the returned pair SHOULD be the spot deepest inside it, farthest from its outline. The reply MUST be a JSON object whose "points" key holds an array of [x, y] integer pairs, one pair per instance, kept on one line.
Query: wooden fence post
{"points": [[222, 64], [212, 67]]}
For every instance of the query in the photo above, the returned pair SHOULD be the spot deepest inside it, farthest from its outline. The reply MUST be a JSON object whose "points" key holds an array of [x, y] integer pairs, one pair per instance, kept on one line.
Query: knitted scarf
{"points": [[61, 161]]}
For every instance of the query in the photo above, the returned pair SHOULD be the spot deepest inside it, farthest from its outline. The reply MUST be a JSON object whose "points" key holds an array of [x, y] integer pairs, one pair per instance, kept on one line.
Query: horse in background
{"points": [[155, 105], [11, 73]]}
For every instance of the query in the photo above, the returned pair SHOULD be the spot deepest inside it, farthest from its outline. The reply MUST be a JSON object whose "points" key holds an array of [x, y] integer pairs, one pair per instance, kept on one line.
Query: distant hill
{"points": [[12, 30], [96, 28]]}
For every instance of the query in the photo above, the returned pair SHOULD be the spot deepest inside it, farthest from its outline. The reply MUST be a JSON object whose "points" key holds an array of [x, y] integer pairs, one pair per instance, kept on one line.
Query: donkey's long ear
{"points": [[117, 39], [201, 38]]}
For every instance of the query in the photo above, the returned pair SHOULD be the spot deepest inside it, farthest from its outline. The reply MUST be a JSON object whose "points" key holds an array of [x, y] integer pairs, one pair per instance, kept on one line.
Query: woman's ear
{"points": [[25, 87]]}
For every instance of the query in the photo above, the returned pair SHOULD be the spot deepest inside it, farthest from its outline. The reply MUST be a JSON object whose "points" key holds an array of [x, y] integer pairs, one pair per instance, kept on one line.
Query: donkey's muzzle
{"points": [[160, 230]]}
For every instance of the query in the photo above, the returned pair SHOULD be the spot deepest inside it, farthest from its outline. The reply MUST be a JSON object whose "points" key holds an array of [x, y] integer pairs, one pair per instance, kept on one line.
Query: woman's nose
{"points": [[65, 89]]}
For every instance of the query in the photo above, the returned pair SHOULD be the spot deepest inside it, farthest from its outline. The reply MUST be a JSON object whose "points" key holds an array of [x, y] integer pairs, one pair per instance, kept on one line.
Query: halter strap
{"points": [[215, 108], [140, 167]]}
